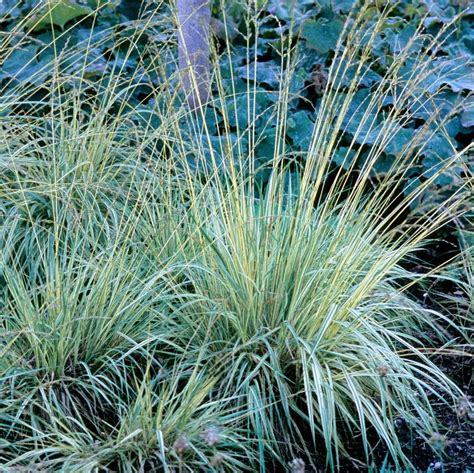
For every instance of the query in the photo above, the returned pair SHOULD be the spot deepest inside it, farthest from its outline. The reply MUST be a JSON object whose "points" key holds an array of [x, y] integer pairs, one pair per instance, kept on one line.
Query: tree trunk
{"points": [[194, 18]]}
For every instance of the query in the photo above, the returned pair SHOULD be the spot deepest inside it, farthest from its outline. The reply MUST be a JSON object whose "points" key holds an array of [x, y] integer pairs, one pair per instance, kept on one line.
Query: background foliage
{"points": [[312, 26]]}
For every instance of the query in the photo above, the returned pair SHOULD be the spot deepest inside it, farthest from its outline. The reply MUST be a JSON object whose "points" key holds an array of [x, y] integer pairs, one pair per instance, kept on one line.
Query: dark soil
{"points": [[453, 444], [454, 441]]}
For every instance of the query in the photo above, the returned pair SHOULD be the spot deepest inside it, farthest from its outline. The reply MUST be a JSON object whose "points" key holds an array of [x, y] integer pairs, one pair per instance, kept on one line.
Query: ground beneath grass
{"points": [[455, 441], [456, 433]]}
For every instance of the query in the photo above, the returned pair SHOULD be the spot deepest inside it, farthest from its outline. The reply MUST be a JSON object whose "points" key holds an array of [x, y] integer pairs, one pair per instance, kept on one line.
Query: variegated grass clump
{"points": [[159, 308], [305, 310]]}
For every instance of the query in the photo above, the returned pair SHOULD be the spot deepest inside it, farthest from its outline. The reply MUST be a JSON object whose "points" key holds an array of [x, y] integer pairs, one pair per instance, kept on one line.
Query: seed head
{"points": [[438, 441], [212, 435], [180, 445], [296, 465], [465, 408], [382, 370], [217, 460]]}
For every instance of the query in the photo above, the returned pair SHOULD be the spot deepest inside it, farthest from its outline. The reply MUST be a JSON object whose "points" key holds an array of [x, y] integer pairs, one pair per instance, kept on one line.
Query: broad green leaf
{"points": [[10, 7], [365, 78], [267, 72], [59, 13], [438, 148], [343, 6], [467, 117], [440, 11], [399, 140], [383, 164], [458, 74], [322, 35], [441, 104], [344, 157], [300, 129], [360, 122], [265, 148], [398, 41], [289, 10], [23, 65]]}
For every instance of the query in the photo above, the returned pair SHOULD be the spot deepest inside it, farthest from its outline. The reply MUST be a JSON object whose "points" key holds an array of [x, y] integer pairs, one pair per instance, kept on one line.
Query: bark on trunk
{"points": [[194, 18]]}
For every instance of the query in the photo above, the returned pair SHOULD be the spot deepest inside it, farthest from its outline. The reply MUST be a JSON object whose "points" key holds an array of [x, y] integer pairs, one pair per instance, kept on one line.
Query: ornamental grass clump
{"points": [[92, 371], [305, 310], [169, 302]]}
